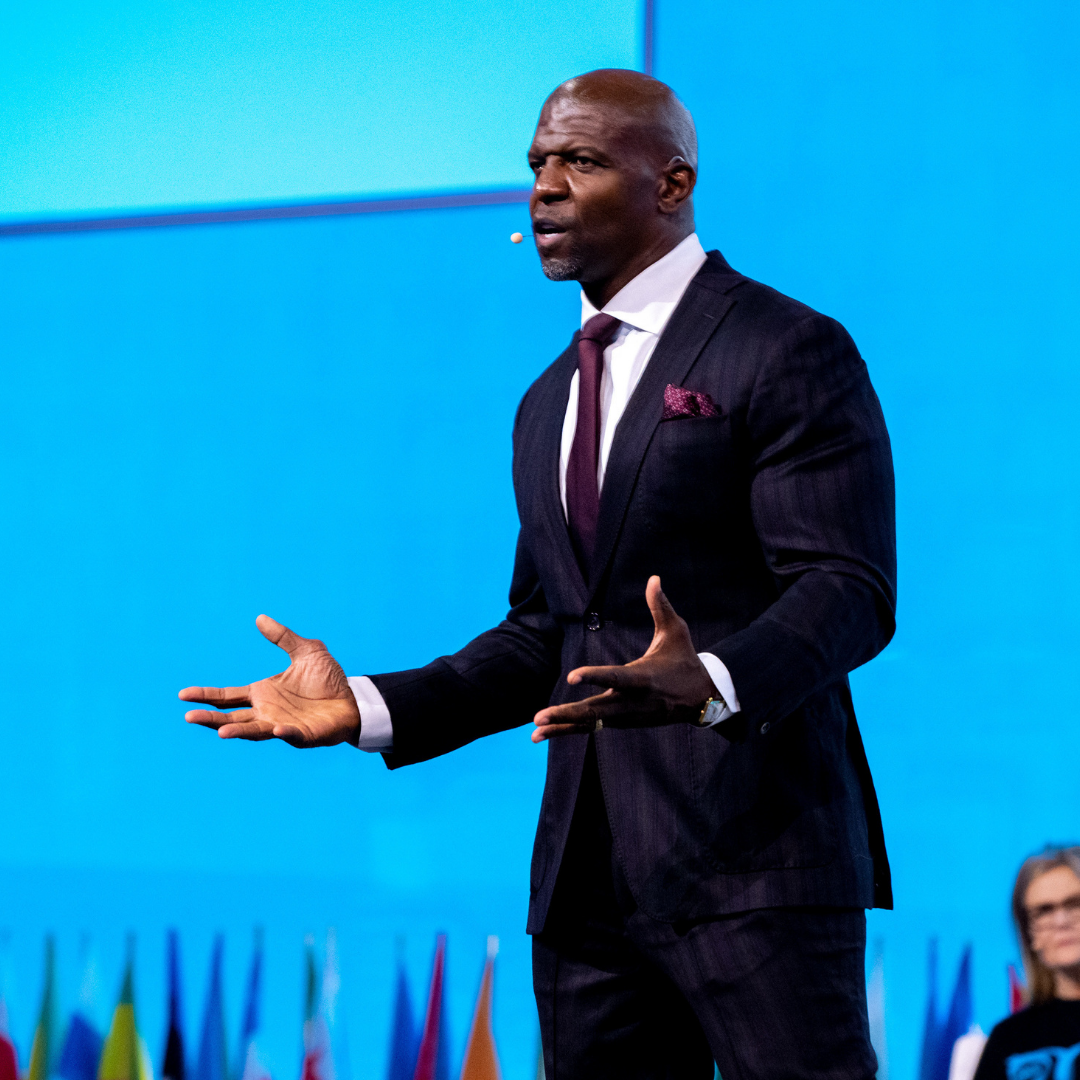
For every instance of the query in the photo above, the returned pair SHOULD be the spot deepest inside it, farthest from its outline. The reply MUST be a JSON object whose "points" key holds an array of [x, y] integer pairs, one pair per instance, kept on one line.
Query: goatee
{"points": [[568, 268]]}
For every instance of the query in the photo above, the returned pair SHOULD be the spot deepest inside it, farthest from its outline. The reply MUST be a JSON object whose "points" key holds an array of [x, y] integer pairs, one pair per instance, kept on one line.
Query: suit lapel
{"points": [[693, 322], [550, 413]]}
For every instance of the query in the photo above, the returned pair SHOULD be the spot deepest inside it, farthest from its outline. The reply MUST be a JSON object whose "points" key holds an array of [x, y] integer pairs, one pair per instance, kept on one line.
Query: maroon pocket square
{"points": [[680, 402]]}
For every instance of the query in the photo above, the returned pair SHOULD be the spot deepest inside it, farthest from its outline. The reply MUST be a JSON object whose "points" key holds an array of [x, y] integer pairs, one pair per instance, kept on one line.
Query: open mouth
{"points": [[547, 232]]}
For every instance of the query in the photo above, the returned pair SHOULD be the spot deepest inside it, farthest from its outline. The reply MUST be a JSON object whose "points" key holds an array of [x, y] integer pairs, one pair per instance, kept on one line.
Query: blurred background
{"points": [[311, 417]]}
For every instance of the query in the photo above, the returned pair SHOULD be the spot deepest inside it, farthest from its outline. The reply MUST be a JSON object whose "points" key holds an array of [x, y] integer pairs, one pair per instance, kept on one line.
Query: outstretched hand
{"points": [[308, 704], [668, 685]]}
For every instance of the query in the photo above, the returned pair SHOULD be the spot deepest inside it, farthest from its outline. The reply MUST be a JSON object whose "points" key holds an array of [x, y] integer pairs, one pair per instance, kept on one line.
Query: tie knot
{"points": [[601, 329]]}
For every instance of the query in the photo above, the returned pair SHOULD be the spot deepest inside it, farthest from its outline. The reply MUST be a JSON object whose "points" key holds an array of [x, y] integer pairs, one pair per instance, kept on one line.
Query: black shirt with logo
{"points": [[1041, 1042]]}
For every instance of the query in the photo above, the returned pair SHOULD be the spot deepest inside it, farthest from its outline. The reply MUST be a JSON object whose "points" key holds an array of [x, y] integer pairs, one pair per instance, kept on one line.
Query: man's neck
{"points": [[600, 293]]}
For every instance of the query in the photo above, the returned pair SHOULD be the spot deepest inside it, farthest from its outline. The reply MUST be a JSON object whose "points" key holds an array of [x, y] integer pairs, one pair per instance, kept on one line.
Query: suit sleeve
{"points": [[500, 680], [822, 502]]}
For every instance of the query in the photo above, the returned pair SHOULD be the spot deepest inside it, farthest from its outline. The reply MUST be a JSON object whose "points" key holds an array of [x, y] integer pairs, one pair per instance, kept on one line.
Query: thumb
{"points": [[664, 615], [279, 635]]}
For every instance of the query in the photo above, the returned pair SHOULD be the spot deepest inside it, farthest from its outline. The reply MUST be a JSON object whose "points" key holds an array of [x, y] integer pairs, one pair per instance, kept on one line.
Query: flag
{"points": [[966, 1052], [433, 1058], [81, 1053], [43, 1050], [931, 1025], [318, 1063], [481, 1058], [9, 1060], [335, 1020], [875, 1007], [213, 1062], [124, 1056], [174, 1066], [403, 1035], [1017, 991], [959, 1018], [250, 1065]]}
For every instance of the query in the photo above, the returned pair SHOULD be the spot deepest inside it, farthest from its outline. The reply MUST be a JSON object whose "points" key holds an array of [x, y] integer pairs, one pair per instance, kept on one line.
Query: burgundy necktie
{"points": [[582, 489]]}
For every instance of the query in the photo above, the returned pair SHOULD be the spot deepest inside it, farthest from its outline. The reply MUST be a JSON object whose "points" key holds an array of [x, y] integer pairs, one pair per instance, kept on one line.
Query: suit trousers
{"points": [[773, 994]]}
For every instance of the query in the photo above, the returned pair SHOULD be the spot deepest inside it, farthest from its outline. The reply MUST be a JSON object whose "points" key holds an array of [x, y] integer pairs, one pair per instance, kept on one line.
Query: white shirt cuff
{"points": [[376, 730], [721, 679]]}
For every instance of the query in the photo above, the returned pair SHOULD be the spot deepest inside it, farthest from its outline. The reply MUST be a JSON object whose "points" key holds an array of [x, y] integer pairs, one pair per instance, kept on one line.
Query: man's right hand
{"points": [[308, 704]]}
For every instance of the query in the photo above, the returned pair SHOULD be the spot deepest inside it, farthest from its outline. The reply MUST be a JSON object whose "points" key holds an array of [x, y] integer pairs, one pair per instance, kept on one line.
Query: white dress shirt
{"points": [[644, 306]]}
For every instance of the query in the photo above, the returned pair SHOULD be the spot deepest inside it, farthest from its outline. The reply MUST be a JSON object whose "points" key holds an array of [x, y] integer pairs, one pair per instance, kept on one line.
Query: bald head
{"points": [[614, 158], [647, 107]]}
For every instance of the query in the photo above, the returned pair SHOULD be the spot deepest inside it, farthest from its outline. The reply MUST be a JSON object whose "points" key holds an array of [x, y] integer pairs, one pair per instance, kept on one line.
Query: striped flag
{"points": [[318, 1062], [43, 1050], [124, 1055], [81, 1053], [481, 1058], [251, 1066]]}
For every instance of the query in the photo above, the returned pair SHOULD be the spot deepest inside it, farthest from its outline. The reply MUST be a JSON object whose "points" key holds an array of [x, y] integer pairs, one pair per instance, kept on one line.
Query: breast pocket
{"points": [[690, 470]]}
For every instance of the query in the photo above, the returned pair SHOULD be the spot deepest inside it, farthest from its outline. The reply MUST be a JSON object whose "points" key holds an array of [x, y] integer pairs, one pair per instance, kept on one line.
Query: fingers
{"points": [[614, 677], [611, 707], [280, 635], [232, 725], [224, 697], [659, 605]]}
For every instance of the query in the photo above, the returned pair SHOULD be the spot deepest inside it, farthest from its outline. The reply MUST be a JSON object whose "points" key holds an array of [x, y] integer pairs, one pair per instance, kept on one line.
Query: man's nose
{"points": [[550, 185]]}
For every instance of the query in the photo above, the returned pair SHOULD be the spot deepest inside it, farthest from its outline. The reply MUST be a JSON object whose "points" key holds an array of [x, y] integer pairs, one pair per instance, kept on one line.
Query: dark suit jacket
{"points": [[771, 526]]}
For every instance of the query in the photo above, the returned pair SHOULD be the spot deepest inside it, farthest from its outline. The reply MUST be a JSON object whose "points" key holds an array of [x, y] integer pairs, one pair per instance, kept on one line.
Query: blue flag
{"points": [[174, 1066], [250, 1065], [82, 1051], [961, 1014], [928, 1059], [404, 1038], [213, 1061]]}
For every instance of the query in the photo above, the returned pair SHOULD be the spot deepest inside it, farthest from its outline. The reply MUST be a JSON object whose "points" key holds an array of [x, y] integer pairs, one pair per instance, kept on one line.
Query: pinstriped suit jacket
{"points": [[772, 528]]}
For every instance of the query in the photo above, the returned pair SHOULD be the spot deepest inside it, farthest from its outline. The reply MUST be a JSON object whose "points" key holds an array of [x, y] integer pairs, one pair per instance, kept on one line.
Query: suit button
{"points": [[765, 728], [593, 621]]}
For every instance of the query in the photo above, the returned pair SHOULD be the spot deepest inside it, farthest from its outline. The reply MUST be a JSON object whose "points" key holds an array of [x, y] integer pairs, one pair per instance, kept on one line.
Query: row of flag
{"points": [[418, 1050], [952, 1042]]}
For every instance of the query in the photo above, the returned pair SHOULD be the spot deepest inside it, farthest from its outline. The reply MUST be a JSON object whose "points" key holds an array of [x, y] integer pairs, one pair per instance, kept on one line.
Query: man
{"points": [[709, 833]]}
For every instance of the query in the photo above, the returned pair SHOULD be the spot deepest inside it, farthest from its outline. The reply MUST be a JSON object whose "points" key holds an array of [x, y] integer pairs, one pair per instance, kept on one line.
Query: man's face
{"points": [[594, 199]]}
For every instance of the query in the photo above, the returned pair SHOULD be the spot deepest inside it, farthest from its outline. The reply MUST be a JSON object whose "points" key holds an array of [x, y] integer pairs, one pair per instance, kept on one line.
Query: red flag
{"points": [[9, 1065], [1017, 991], [428, 1057]]}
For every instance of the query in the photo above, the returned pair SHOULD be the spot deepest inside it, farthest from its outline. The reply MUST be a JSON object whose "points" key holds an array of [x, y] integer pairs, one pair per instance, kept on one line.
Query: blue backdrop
{"points": [[312, 419]]}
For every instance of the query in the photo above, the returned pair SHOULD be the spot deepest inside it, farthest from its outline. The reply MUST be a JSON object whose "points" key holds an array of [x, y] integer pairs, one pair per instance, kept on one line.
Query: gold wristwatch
{"points": [[710, 711]]}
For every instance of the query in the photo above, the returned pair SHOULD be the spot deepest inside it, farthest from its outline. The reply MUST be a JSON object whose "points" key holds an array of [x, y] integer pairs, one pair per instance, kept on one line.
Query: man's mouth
{"points": [[547, 233]]}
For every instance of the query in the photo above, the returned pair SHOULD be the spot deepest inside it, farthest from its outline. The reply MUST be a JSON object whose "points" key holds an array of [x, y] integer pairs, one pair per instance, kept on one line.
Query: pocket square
{"points": [[680, 402]]}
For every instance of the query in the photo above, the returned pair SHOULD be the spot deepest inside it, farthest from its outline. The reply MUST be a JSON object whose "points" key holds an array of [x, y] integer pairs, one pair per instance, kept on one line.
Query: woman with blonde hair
{"points": [[1042, 1041]]}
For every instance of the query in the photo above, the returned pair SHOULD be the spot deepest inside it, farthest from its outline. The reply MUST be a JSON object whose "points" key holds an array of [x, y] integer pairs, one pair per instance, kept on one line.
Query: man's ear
{"points": [[676, 184]]}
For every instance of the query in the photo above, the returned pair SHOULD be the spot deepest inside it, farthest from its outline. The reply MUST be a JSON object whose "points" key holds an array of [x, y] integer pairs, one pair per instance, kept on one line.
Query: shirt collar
{"points": [[647, 301]]}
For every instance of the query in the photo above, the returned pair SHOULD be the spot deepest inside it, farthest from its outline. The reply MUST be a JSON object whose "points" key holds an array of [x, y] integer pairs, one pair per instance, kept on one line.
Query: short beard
{"points": [[568, 268]]}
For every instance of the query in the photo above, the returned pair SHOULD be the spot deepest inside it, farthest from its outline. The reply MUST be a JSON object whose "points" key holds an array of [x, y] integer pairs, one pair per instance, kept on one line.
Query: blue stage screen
{"points": [[312, 419]]}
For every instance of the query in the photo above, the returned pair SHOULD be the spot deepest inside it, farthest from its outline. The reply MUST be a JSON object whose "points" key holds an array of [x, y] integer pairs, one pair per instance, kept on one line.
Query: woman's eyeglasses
{"points": [[1042, 915]]}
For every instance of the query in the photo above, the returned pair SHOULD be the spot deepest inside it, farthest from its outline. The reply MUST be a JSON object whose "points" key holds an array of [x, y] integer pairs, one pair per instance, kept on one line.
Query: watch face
{"points": [[712, 713]]}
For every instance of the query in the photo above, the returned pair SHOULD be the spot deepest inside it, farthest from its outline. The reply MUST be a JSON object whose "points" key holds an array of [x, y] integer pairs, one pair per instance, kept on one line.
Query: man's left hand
{"points": [[668, 685]]}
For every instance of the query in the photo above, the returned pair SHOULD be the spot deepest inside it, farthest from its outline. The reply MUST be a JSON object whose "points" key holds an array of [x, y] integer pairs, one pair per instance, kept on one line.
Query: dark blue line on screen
{"points": [[649, 36], [285, 211]]}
